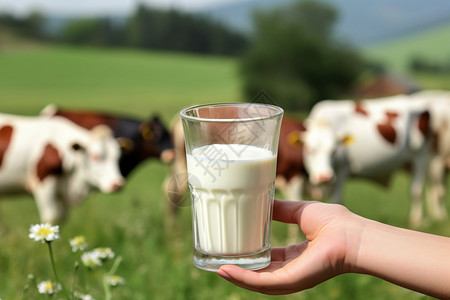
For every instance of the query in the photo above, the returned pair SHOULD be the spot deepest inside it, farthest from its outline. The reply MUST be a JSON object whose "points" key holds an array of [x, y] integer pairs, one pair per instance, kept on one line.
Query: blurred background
{"points": [[141, 58]]}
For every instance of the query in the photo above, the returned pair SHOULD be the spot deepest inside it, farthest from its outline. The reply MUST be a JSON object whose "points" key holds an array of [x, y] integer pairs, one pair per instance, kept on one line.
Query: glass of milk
{"points": [[231, 152]]}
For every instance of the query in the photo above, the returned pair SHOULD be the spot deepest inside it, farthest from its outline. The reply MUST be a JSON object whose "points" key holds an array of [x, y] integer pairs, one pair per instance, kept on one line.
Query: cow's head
{"points": [[320, 143], [154, 140], [318, 148], [96, 161]]}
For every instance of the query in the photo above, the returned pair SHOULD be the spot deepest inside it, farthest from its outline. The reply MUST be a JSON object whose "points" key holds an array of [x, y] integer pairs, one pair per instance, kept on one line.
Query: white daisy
{"points": [[81, 296], [47, 287], [44, 232], [104, 253], [91, 259], [115, 280], [78, 243]]}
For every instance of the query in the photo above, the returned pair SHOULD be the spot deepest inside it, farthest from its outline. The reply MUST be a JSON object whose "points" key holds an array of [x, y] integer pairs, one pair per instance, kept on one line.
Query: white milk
{"points": [[232, 189]]}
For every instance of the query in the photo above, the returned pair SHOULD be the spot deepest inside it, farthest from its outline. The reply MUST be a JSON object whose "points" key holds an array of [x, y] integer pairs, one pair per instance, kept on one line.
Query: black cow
{"points": [[140, 140]]}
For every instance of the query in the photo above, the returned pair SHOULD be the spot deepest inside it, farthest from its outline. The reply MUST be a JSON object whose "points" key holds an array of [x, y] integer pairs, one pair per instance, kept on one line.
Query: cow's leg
{"points": [[280, 185], [416, 190], [338, 185], [436, 193], [293, 189], [175, 188], [46, 200]]}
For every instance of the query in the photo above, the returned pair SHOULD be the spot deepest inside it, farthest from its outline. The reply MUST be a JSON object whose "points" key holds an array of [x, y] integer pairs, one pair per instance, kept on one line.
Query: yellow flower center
{"points": [[78, 240], [43, 232], [48, 286]]}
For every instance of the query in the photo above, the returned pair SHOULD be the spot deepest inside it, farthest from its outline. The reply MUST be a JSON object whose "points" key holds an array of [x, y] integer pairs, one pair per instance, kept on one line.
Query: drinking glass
{"points": [[231, 152]]}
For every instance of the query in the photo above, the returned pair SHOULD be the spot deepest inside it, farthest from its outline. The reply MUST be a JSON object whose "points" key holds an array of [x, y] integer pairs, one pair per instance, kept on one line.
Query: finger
{"points": [[287, 211], [280, 277]]}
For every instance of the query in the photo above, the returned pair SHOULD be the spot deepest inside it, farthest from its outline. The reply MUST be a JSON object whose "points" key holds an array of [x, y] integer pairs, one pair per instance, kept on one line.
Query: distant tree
{"points": [[174, 30], [93, 31], [141, 28], [294, 57], [35, 25], [30, 26]]}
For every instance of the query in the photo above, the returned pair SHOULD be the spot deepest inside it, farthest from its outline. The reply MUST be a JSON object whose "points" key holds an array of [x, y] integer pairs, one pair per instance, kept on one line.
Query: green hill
{"points": [[125, 81], [431, 44]]}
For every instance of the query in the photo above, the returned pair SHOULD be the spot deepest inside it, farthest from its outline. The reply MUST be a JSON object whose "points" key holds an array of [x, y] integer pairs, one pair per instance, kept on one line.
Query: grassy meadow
{"points": [[156, 254], [397, 53]]}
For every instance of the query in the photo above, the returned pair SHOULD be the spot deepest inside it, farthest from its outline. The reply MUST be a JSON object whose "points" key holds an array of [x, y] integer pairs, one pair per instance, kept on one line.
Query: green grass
{"points": [[157, 256], [120, 81], [432, 81]]}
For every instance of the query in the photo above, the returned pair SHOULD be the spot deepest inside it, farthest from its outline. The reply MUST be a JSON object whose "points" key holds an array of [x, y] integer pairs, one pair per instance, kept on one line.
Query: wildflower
{"points": [[115, 280], [91, 259], [44, 232], [47, 287], [104, 253], [81, 296], [78, 243]]}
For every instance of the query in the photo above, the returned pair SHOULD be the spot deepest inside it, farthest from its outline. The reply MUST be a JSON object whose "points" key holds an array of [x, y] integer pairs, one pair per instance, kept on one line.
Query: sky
{"points": [[97, 7]]}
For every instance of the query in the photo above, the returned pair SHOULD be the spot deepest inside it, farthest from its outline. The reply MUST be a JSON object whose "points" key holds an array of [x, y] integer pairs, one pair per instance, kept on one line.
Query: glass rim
{"points": [[278, 111]]}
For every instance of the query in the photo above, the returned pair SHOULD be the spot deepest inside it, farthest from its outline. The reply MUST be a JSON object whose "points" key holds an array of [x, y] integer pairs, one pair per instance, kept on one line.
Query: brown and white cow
{"points": [[369, 139], [56, 161], [438, 103]]}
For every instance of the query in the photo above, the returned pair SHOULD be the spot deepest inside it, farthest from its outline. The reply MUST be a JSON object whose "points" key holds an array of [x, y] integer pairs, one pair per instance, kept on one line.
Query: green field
{"points": [[396, 54], [128, 82], [157, 257]]}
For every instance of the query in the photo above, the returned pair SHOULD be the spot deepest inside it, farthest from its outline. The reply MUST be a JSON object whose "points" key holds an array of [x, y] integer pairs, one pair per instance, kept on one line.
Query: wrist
{"points": [[357, 231]]}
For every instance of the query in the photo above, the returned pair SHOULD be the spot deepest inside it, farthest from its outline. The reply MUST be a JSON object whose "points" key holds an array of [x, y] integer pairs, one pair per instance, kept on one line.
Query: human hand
{"points": [[332, 238]]}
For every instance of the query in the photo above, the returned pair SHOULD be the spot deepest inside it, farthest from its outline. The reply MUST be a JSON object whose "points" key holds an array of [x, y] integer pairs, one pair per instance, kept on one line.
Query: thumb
{"points": [[288, 211]]}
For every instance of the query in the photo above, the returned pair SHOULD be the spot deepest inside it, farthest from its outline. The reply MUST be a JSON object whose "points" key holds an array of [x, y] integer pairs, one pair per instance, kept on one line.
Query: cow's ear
{"points": [[50, 110], [126, 144], [101, 131], [146, 131], [347, 139], [294, 138]]}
